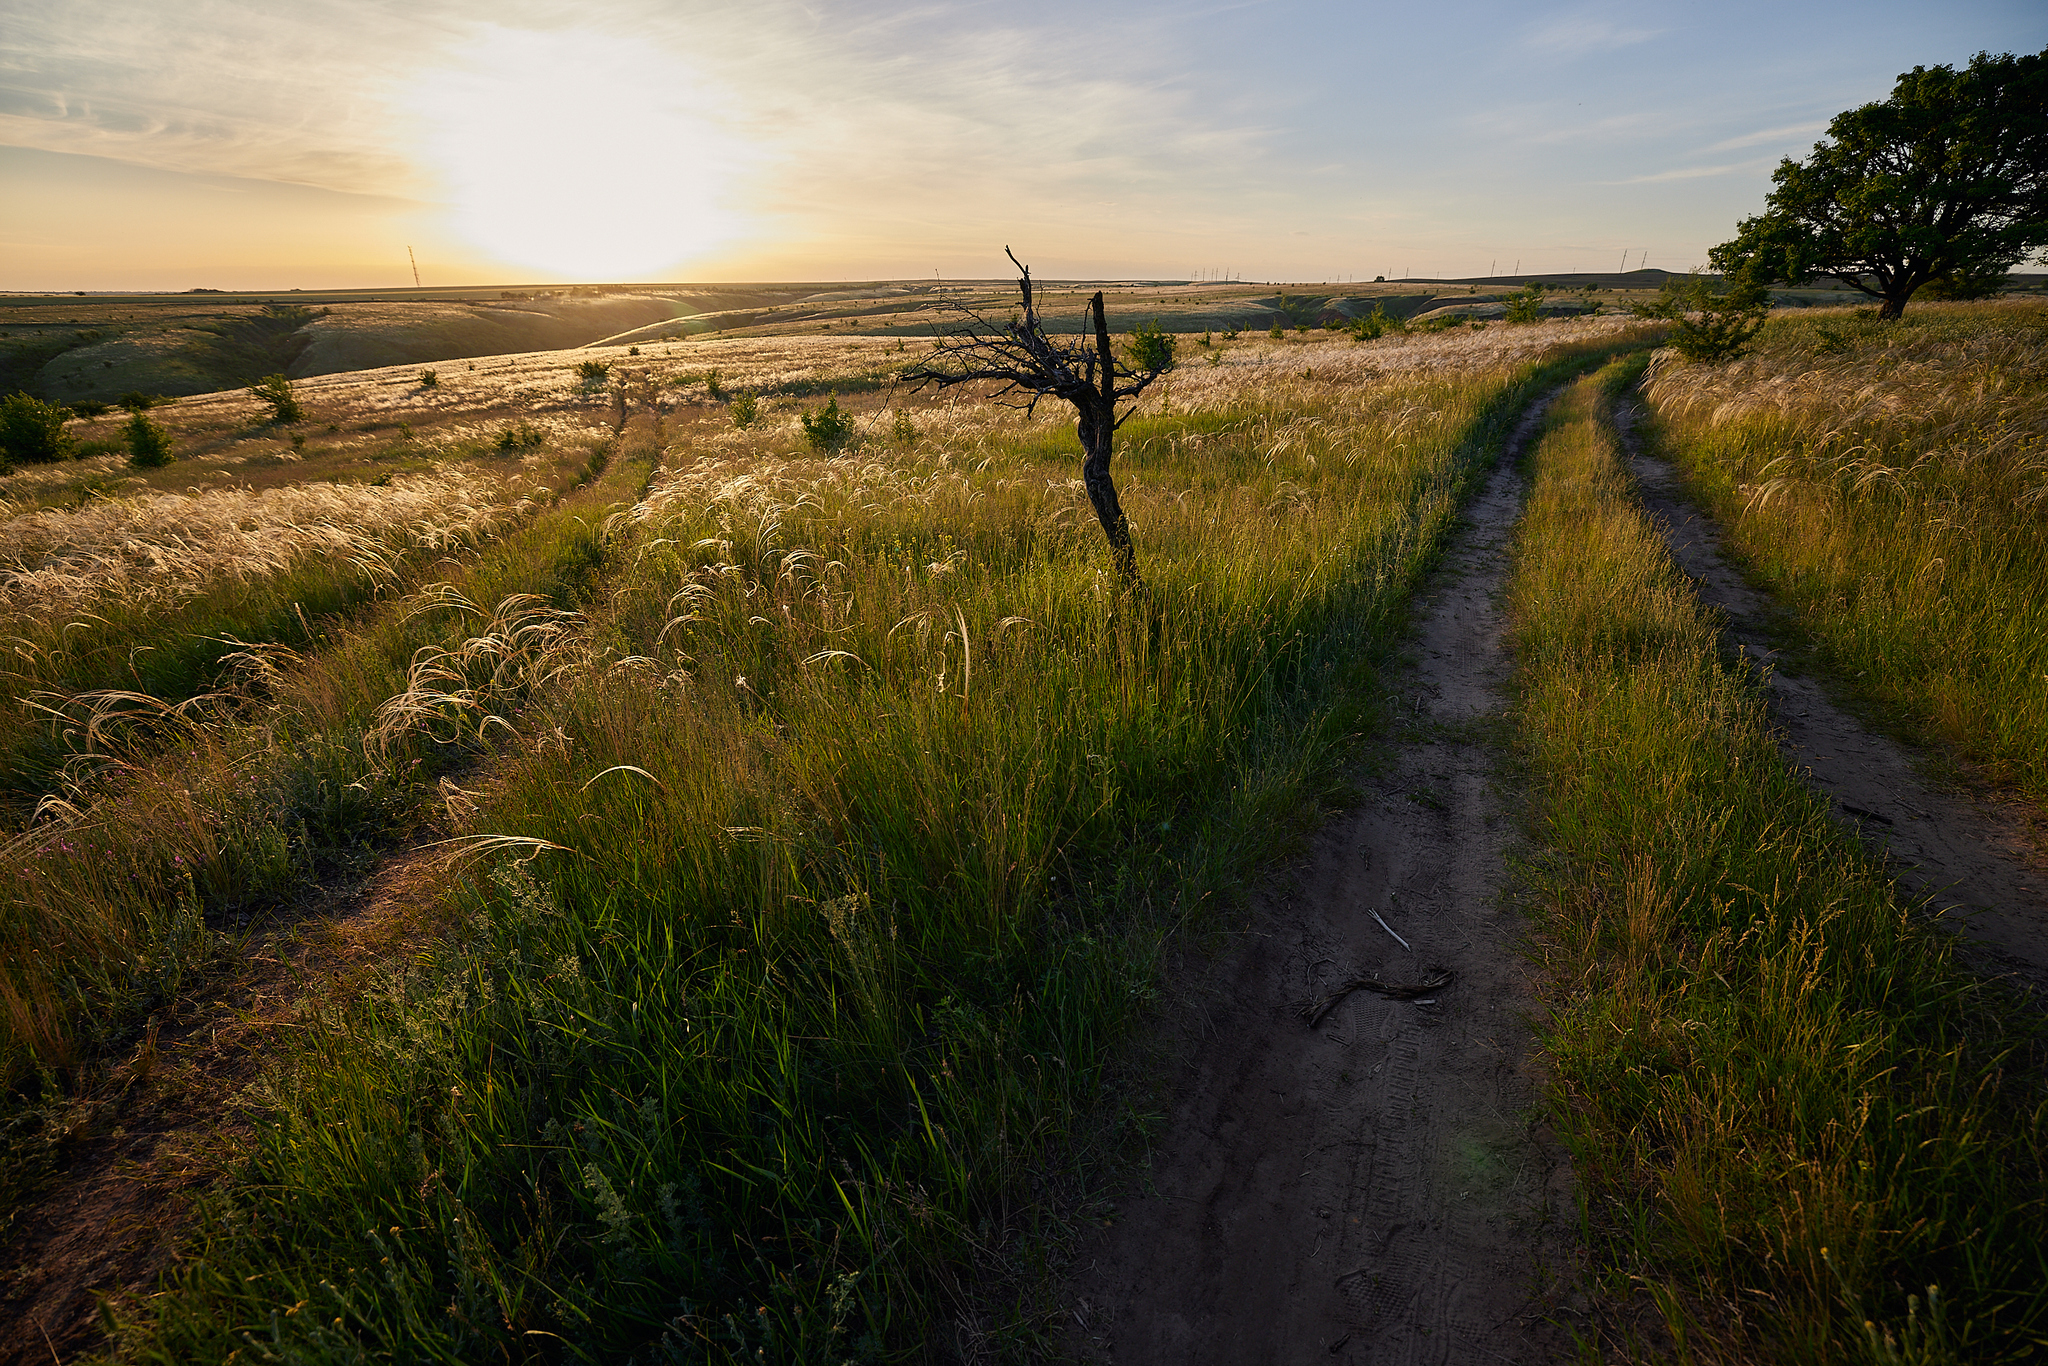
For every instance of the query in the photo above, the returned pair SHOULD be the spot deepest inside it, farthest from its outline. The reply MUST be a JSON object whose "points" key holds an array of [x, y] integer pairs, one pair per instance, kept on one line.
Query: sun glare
{"points": [[579, 154]]}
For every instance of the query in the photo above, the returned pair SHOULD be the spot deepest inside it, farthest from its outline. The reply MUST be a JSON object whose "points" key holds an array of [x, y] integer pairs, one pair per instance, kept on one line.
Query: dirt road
{"points": [[1374, 1189], [1973, 856]]}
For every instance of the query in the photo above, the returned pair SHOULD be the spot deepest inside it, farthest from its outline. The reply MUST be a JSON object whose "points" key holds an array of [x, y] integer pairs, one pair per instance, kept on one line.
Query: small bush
{"points": [[135, 401], [521, 436], [277, 391], [1230, 334], [1278, 332], [745, 409], [828, 429], [1709, 327], [902, 428], [632, 350], [149, 446], [593, 371], [713, 387], [32, 431], [1525, 305], [1373, 325], [1151, 347], [429, 379], [89, 410]]}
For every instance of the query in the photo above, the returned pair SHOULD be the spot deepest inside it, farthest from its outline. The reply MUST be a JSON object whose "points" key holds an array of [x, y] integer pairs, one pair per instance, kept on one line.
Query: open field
{"points": [[842, 803], [96, 348], [526, 866]]}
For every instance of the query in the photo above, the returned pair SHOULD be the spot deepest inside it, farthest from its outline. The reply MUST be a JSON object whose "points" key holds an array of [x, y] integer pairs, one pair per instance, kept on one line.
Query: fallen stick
{"points": [[1314, 1011], [1390, 930]]}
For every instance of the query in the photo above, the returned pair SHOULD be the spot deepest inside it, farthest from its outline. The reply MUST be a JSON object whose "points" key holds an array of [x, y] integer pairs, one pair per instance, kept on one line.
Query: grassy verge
{"points": [[1799, 1129], [1888, 482], [868, 813]]}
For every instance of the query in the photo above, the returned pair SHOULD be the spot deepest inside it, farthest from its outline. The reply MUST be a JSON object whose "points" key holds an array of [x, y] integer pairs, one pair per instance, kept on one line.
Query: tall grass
{"points": [[1801, 1133], [1889, 483], [872, 801], [163, 594], [169, 822]]}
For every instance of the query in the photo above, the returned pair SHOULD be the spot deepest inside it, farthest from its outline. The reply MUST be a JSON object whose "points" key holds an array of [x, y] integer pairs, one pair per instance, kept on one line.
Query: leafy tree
{"points": [[277, 391], [1709, 325], [32, 431], [1945, 181], [1027, 365], [148, 444]]}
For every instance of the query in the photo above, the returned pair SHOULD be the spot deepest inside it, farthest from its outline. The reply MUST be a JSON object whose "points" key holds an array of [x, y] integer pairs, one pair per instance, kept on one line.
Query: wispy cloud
{"points": [[1573, 35], [1789, 131], [1691, 173]]}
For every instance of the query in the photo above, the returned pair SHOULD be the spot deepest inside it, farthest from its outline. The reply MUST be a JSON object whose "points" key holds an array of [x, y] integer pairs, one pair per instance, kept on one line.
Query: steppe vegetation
{"points": [[815, 823], [1888, 482], [1801, 1132]]}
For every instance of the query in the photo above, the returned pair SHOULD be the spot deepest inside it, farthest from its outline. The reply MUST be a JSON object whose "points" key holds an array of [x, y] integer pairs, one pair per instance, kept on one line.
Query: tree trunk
{"points": [[1097, 429], [1894, 305]]}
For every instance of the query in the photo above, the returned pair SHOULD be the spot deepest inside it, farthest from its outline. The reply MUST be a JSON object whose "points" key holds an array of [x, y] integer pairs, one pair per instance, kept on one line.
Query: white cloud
{"points": [[1790, 131], [1691, 173], [1572, 35]]}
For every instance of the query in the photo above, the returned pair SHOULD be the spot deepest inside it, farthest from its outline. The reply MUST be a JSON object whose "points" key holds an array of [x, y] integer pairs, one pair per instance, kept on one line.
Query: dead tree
{"points": [[1027, 365]]}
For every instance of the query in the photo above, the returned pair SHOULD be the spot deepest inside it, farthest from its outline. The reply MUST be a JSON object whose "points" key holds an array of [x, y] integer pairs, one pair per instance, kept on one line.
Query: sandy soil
{"points": [[1374, 1189], [1976, 857]]}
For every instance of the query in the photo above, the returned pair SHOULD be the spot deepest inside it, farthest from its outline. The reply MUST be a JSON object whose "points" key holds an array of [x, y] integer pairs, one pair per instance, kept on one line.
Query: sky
{"points": [[272, 144]]}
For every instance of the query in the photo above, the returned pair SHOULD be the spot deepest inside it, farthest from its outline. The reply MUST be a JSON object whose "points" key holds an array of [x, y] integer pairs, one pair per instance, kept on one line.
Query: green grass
{"points": [[176, 651], [174, 824], [1790, 1113], [1888, 484], [874, 800]]}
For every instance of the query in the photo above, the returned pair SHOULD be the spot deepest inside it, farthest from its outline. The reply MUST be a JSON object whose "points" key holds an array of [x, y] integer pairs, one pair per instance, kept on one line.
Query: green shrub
{"points": [[521, 436], [135, 401], [88, 409], [593, 371], [1230, 334], [1709, 326], [1525, 305], [713, 387], [902, 428], [429, 379], [276, 390], [828, 429], [149, 445], [745, 409], [1151, 347], [1278, 332], [1373, 325], [32, 431]]}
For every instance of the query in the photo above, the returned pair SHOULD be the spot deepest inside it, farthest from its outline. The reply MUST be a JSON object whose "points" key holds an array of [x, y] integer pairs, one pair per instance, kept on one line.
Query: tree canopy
{"points": [[1945, 181]]}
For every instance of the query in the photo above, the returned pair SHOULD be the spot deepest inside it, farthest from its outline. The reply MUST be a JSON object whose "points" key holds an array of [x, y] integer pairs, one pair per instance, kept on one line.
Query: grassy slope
{"points": [[1790, 1112], [232, 808], [1889, 484], [759, 1064]]}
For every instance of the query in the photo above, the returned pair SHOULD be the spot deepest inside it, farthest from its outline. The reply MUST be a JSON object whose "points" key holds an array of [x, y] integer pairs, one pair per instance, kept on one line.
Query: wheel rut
{"points": [[1977, 860], [1375, 1189]]}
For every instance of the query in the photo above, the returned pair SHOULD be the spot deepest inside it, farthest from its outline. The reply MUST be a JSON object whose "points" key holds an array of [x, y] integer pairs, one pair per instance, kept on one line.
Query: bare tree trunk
{"points": [[1097, 429]]}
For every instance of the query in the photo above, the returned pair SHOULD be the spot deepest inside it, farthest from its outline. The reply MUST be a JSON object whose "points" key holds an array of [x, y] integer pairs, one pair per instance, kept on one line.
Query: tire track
{"points": [[1978, 863], [1374, 1190]]}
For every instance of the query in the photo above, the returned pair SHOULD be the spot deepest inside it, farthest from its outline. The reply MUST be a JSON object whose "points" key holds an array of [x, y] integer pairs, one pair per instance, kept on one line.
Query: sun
{"points": [[578, 153]]}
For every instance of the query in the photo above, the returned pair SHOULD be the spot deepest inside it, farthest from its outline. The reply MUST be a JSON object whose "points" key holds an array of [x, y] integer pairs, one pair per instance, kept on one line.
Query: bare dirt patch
{"points": [[1976, 856], [169, 1119], [1376, 1188]]}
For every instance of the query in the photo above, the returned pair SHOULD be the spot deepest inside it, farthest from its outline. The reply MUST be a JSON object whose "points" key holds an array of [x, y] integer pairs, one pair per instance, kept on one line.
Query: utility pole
{"points": [[415, 266]]}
